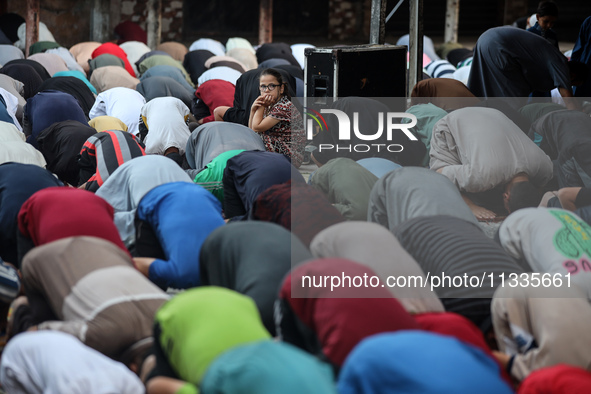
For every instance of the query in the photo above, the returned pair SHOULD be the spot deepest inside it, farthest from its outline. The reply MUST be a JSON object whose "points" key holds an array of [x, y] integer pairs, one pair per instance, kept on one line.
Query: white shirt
{"points": [[122, 103], [53, 362]]}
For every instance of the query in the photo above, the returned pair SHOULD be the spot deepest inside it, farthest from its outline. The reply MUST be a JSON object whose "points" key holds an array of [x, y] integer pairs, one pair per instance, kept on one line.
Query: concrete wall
{"points": [[67, 20], [172, 17]]}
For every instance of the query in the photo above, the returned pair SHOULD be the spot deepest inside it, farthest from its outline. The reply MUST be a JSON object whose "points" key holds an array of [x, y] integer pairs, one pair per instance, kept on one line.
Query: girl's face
{"points": [[269, 86]]}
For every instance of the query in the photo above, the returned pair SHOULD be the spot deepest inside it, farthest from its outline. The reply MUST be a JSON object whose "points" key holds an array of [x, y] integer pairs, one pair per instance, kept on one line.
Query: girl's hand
{"points": [[259, 102], [268, 100]]}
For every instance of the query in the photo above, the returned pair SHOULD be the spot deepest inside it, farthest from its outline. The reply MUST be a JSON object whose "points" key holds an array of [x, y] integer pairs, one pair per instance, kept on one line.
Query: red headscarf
{"points": [[130, 31], [559, 379], [340, 318], [61, 212], [115, 50], [215, 93], [454, 325], [298, 207]]}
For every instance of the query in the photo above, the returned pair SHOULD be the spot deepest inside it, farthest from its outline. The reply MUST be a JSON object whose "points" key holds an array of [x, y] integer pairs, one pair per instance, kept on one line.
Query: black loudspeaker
{"points": [[361, 70]]}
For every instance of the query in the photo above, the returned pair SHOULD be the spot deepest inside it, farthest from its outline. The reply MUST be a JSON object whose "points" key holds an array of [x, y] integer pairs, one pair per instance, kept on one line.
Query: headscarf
{"points": [[47, 108], [88, 287], [13, 147], [329, 322], [251, 258], [82, 52], [445, 93], [78, 74], [10, 52], [67, 57], [52, 62], [210, 140], [239, 43], [39, 68], [171, 72], [60, 144], [134, 51], [149, 54], [298, 51], [165, 118], [215, 93], [73, 86], [14, 87], [541, 326], [419, 362], [273, 50], [102, 153], [411, 192], [130, 31], [158, 86], [105, 60], [552, 241], [25, 74], [208, 44], [375, 247], [297, 207], [535, 111], [53, 361], [347, 185], [378, 166], [224, 73], [159, 60], [191, 345], [457, 248], [130, 182], [175, 49], [8, 108], [106, 123], [244, 56], [122, 103], [194, 63], [114, 49], [110, 77], [216, 61], [252, 172], [61, 212], [267, 367], [18, 182], [440, 69], [427, 115], [558, 379]]}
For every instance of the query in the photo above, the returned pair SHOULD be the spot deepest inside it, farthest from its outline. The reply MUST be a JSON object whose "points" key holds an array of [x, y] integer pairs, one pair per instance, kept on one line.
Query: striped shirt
{"points": [[103, 153]]}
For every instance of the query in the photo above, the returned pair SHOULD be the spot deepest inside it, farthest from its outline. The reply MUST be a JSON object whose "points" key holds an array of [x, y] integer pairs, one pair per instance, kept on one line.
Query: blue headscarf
{"points": [[419, 362]]}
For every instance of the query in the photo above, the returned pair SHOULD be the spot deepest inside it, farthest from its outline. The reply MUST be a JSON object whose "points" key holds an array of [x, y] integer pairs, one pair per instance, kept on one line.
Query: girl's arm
{"points": [[257, 122]]}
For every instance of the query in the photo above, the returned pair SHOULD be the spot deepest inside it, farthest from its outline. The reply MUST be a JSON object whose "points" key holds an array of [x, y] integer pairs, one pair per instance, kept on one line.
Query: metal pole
{"points": [[415, 71], [154, 22], [451, 21], [377, 28], [265, 21], [99, 23], [32, 21]]}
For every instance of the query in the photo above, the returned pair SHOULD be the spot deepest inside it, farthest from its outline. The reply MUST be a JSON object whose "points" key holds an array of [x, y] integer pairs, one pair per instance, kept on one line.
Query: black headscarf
{"points": [[251, 258], [25, 74], [194, 63], [276, 50], [42, 71], [73, 86], [60, 144], [9, 23]]}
